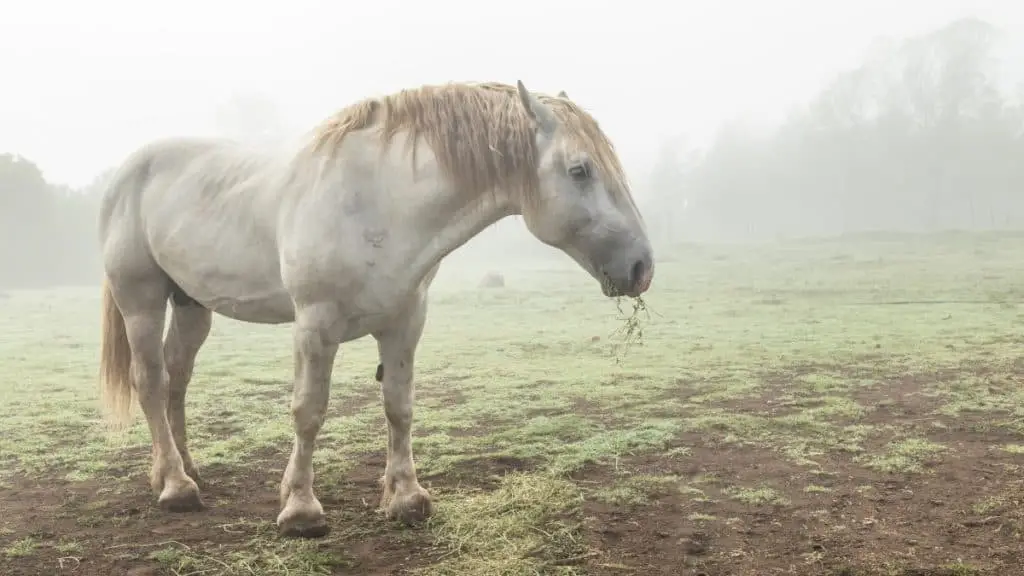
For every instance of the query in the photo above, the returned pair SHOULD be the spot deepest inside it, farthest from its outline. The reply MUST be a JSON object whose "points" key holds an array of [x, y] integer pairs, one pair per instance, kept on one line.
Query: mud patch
{"points": [[741, 510], [50, 526]]}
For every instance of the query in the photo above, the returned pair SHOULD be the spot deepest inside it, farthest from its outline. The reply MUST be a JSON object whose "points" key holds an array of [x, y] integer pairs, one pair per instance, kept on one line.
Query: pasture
{"points": [[845, 408]]}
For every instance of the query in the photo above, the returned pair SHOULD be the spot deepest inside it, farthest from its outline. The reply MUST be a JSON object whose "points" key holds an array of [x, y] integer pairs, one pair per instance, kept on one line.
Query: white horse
{"points": [[343, 239]]}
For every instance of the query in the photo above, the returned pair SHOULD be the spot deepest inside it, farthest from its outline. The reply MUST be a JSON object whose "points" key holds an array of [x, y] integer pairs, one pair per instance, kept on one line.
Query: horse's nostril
{"points": [[637, 272]]}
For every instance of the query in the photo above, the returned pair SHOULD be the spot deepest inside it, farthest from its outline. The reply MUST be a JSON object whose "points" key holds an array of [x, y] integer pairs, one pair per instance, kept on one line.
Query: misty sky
{"points": [[86, 82]]}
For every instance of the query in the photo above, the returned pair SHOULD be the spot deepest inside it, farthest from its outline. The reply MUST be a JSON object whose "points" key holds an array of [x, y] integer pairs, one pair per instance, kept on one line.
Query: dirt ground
{"points": [[964, 516]]}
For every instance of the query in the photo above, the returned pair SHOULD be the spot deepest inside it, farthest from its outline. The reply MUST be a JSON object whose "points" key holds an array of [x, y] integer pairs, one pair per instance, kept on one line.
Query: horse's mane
{"points": [[481, 135]]}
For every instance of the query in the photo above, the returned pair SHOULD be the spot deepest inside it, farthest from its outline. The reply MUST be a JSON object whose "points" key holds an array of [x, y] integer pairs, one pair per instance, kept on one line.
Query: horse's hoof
{"points": [[313, 528], [301, 518], [410, 509], [186, 500]]}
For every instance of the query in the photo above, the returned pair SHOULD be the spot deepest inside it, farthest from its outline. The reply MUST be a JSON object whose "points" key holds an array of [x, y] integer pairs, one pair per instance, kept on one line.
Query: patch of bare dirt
{"points": [[115, 524], [841, 519]]}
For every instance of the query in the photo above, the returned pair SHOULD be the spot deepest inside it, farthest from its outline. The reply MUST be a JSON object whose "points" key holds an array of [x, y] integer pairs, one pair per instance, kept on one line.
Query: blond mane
{"points": [[480, 133]]}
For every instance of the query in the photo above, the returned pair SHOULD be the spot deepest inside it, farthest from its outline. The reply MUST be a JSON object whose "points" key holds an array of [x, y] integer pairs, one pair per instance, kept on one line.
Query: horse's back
{"points": [[205, 213]]}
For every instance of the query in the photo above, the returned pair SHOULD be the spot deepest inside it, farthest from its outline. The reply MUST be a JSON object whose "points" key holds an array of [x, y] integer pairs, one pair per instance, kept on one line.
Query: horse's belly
{"points": [[277, 309], [270, 309], [233, 275], [238, 294]]}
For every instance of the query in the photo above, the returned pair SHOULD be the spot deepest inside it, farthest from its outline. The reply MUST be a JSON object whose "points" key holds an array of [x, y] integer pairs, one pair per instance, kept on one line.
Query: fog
{"points": [[737, 121]]}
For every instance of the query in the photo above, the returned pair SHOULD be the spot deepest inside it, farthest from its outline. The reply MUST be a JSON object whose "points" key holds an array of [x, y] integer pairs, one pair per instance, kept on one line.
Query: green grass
{"points": [[23, 547], [906, 456], [760, 496], [769, 348], [636, 489]]}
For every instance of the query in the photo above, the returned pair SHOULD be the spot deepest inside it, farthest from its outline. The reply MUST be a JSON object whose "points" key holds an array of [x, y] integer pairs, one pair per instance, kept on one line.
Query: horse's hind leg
{"points": [[142, 300], [190, 325]]}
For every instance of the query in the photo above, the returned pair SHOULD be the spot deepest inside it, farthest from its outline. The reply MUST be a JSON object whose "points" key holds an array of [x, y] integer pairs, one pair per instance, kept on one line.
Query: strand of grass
{"points": [[632, 329]]}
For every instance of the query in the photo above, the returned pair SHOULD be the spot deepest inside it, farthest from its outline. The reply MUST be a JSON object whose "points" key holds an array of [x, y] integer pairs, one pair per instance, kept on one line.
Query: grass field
{"points": [[841, 408]]}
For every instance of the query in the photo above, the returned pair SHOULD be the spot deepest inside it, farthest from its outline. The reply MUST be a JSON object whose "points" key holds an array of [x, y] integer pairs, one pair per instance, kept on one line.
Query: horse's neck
{"points": [[450, 223], [423, 225]]}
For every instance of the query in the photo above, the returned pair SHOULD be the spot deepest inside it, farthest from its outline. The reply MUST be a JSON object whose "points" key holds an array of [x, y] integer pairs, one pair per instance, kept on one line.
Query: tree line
{"points": [[920, 138], [47, 233]]}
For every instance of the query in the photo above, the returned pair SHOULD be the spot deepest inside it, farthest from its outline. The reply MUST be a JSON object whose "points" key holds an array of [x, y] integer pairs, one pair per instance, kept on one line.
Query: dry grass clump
{"points": [[529, 525]]}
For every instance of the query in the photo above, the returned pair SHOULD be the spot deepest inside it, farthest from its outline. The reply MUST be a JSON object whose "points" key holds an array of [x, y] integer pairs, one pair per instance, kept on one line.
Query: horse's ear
{"points": [[537, 110], [562, 94]]}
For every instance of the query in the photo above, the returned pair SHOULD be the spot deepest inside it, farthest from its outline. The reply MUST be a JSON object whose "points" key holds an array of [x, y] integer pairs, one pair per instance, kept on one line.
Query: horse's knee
{"points": [[308, 415]]}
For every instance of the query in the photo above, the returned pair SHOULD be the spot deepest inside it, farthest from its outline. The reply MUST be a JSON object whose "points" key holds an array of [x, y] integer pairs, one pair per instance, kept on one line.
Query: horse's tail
{"points": [[117, 390]]}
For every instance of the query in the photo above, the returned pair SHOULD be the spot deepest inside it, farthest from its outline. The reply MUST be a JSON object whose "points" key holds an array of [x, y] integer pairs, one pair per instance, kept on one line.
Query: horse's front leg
{"points": [[301, 513], [403, 498]]}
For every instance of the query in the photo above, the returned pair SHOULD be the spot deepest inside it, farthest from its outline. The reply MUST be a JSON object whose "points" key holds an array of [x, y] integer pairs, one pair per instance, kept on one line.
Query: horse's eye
{"points": [[580, 172]]}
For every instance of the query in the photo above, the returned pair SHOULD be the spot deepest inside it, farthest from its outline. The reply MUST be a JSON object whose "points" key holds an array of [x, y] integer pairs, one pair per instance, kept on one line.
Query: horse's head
{"points": [[583, 205]]}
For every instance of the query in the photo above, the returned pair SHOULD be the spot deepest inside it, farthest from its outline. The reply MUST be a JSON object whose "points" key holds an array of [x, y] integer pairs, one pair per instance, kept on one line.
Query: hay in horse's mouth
{"points": [[632, 329]]}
